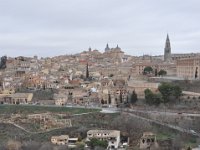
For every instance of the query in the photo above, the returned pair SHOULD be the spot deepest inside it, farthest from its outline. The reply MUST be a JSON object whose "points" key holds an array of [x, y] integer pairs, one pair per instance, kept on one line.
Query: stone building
{"points": [[112, 136], [188, 68], [17, 98], [148, 141], [170, 68], [114, 54], [140, 86], [60, 140], [60, 99], [113, 92]]}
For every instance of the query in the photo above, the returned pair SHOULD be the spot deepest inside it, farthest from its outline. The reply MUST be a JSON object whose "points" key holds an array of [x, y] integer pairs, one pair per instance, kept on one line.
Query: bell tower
{"points": [[167, 50]]}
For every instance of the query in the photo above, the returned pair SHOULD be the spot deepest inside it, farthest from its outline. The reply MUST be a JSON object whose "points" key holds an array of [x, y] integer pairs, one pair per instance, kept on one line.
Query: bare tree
{"points": [[131, 127]]}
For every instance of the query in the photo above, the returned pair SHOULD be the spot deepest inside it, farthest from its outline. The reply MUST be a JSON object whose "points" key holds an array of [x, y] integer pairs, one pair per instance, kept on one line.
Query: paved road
{"points": [[167, 112], [68, 106]]}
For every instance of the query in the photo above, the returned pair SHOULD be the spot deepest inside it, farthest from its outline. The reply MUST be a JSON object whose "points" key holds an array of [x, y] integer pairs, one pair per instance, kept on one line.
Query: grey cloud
{"points": [[51, 27]]}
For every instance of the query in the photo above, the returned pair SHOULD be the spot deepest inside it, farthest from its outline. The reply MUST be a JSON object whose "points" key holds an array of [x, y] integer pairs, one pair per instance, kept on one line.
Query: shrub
{"points": [[95, 142]]}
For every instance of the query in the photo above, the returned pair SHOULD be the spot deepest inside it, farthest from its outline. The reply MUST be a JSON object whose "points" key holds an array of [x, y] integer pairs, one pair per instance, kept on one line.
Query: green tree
{"points": [[133, 97], [166, 89], [151, 98], [120, 97], [87, 71], [157, 99], [148, 70], [109, 98], [170, 91], [97, 143], [177, 92], [148, 96], [102, 101], [3, 62], [162, 72], [156, 72]]}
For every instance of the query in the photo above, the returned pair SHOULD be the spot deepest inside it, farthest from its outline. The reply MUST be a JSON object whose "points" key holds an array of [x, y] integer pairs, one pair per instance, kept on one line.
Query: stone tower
{"points": [[107, 48], [167, 52]]}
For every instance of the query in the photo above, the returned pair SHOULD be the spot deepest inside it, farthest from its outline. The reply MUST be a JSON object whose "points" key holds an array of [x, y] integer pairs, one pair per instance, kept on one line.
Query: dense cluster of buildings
{"points": [[91, 76], [112, 137]]}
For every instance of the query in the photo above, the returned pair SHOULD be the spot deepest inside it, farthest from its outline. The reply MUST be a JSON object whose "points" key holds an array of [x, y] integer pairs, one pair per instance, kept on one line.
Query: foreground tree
{"points": [[148, 96], [93, 143], [151, 98], [166, 89], [130, 126], [177, 92], [170, 91]]}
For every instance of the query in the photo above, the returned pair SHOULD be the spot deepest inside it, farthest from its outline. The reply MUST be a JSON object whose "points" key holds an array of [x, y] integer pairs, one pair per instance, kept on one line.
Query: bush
{"points": [[151, 98], [170, 91], [97, 143], [162, 72]]}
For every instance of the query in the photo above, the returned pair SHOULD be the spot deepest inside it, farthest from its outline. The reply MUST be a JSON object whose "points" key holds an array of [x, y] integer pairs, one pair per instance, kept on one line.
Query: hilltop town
{"points": [[131, 102]]}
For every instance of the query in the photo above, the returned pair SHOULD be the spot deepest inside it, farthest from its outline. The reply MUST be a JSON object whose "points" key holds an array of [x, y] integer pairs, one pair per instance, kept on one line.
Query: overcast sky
{"points": [[54, 27]]}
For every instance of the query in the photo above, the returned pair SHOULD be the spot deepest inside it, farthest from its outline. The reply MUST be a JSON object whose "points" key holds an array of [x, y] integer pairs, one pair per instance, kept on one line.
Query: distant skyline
{"points": [[58, 27]]}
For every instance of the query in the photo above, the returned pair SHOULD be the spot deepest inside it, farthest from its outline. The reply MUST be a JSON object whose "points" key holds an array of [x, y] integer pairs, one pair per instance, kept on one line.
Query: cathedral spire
{"points": [[167, 50], [167, 37], [107, 47]]}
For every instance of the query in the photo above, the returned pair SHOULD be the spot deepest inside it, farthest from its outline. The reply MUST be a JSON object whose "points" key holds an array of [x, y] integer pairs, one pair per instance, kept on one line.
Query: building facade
{"points": [[189, 68], [112, 136]]}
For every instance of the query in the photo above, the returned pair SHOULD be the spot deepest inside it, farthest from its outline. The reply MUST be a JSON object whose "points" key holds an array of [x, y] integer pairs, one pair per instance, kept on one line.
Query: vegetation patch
{"points": [[30, 109]]}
